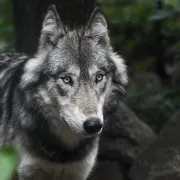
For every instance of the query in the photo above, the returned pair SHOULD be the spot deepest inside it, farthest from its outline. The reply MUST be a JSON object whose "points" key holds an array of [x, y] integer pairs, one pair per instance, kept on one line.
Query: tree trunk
{"points": [[29, 14], [160, 61]]}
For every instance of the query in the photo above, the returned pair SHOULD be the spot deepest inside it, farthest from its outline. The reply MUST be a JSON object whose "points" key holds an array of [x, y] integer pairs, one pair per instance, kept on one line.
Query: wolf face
{"points": [[74, 78]]}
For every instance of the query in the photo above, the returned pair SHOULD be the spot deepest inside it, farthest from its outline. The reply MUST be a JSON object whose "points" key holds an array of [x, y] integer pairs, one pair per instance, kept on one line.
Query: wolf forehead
{"points": [[86, 48], [77, 51]]}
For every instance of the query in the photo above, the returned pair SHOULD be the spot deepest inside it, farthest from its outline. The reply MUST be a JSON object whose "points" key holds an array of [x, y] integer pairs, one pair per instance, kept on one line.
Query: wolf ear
{"points": [[52, 28], [97, 27]]}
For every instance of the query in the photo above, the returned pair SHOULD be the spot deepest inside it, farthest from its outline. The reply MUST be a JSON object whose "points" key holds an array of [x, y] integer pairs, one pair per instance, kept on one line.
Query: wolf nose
{"points": [[93, 125]]}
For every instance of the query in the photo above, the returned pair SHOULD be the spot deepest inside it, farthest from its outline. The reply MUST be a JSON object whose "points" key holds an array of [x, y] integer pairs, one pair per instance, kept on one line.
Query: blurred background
{"points": [[146, 33]]}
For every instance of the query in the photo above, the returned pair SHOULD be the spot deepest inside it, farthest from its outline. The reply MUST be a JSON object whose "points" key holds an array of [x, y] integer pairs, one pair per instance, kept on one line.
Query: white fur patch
{"points": [[99, 109], [121, 68], [31, 69]]}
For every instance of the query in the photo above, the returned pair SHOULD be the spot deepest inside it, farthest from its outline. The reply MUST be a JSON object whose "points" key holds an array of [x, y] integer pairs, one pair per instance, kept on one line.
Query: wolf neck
{"points": [[40, 141], [47, 146]]}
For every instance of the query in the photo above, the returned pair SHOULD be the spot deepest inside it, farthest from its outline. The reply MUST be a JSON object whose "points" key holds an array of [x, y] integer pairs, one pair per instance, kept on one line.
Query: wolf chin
{"points": [[52, 105]]}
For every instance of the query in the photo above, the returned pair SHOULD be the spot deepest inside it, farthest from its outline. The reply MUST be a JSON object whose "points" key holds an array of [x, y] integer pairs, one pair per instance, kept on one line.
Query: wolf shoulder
{"points": [[10, 63]]}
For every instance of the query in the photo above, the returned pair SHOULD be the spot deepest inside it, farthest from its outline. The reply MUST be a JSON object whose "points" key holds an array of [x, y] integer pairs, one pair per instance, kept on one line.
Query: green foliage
{"points": [[6, 25], [8, 159], [133, 28]]}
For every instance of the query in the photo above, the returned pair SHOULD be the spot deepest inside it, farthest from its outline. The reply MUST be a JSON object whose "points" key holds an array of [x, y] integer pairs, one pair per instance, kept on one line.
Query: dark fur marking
{"points": [[61, 91], [15, 79], [46, 145]]}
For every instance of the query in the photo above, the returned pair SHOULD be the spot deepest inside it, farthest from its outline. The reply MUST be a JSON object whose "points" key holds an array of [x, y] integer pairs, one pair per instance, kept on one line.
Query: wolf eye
{"points": [[67, 79], [99, 77]]}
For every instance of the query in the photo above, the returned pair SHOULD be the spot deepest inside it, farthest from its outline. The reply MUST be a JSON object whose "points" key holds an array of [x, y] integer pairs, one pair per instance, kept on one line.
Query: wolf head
{"points": [[75, 76]]}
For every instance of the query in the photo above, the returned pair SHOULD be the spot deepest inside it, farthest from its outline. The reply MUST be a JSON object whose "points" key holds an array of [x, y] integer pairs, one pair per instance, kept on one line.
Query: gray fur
{"points": [[42, 114]]}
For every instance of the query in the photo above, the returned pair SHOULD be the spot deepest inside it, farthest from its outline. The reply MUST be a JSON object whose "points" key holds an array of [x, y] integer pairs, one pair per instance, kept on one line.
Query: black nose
{"points": [[93, 125]]}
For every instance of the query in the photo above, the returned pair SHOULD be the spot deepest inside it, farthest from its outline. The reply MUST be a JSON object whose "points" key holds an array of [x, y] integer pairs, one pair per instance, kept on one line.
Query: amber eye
{"points": [[99, 77], [66, 79]]}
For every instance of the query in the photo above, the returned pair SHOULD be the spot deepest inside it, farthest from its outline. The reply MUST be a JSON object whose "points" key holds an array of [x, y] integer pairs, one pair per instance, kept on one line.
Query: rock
{"points": [[125, 136], [161, 161], [106, 170], [145, 95], [173, 72]]}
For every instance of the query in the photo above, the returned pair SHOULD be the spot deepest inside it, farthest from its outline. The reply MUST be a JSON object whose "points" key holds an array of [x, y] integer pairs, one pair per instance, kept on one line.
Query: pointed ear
{"points": [[52, 28], [97, 27]]}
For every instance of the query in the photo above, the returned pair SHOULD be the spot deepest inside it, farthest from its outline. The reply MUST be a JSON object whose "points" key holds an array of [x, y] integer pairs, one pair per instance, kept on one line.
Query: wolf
{"points": [[53, 104]]}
